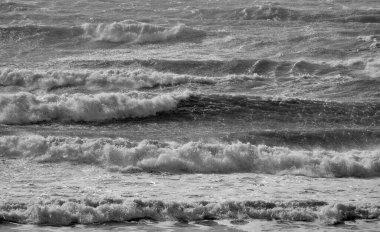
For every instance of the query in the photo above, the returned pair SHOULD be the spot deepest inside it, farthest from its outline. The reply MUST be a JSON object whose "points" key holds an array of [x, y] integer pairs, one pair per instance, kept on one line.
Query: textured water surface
{"points": [[189, 115]]}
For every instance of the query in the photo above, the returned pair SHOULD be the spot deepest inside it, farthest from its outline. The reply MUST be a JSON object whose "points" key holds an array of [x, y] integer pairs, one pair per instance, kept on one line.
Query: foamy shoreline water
{"points": [[66, 201]]}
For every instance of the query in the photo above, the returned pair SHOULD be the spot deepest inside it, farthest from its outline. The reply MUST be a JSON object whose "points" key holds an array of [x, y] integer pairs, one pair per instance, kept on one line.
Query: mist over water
{"points": [[189, 115]]}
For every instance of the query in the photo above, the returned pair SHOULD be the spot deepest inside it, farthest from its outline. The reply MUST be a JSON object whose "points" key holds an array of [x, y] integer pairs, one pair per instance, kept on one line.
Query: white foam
{"points": [[193, 157], [134, 79], [22, 108], [137, 32]]}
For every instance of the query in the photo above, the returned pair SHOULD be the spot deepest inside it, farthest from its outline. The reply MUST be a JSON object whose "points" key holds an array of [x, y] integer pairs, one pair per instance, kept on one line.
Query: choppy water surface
{"points": [[189, 115]]}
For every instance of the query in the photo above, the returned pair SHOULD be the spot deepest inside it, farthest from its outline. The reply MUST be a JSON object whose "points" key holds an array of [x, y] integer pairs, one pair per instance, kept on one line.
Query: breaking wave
{"points": [[134, 79], [103, 210], [193, 157], [136, 32], [25, 108]]}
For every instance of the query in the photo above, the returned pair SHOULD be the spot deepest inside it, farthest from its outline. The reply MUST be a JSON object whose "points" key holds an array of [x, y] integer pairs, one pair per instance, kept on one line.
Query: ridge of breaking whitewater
{"points": [[126, 156]]}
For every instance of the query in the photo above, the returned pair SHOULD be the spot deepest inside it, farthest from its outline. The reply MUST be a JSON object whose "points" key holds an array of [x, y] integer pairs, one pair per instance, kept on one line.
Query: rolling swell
{"points": [[364, 18], [331, 138], [256, 109], [193, 157], [96, 211], [265, 67], [278, 13]]}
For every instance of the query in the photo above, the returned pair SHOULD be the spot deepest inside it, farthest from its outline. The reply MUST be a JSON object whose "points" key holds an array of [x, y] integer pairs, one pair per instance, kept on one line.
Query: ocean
{"points": [[189, 115]]}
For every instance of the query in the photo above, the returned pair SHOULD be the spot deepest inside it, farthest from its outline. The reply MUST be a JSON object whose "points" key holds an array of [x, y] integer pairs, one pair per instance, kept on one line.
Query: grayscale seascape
{"points": [[192, 115]]}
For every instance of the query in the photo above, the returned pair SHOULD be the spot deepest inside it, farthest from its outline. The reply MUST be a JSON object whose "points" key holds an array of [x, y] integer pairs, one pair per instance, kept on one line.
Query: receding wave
{"points": [[136, 32], [25, 108], [112, 78], [94, 211], [193, 157]]}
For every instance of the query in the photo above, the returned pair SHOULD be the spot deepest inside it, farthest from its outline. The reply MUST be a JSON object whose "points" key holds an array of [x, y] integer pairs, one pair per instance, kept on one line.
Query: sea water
{"points": [[217, 115]]}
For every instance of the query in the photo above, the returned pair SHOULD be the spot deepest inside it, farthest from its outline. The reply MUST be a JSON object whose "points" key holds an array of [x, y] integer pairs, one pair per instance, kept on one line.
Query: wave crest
{"points": [[136, 32], [112, 78]]}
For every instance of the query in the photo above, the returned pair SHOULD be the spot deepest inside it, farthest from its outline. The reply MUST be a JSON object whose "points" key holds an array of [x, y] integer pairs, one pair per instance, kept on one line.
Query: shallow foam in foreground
{"points": [[89, 211]]}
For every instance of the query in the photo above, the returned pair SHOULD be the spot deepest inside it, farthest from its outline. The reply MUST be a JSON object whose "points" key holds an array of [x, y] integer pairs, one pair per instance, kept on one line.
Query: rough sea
{"points": [[189, 115]]}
